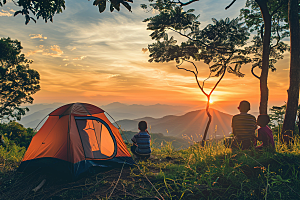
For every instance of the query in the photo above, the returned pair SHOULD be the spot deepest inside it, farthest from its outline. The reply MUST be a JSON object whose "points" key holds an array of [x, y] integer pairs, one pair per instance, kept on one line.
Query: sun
{"points": [[211, 101]]}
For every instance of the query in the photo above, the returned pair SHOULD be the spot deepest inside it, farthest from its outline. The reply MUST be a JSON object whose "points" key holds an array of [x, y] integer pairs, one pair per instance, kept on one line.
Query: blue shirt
{"points": [[142, 140]]}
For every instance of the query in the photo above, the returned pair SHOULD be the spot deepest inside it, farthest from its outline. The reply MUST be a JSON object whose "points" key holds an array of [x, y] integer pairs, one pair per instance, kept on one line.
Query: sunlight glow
{"points": [[211, 101]]}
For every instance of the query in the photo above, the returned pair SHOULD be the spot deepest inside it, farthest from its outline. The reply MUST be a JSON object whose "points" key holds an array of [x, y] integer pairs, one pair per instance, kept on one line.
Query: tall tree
{"points": [[219, 45], [293, 91], [17, 81], [46, 9], [266, 17]]}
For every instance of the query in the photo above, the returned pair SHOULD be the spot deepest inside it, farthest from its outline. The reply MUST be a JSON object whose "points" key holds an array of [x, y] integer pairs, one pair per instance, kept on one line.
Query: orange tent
{"points": [[74, 138]]}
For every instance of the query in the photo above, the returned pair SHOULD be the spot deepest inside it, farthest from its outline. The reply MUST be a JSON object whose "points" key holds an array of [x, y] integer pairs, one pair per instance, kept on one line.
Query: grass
{"points": [[213, 172]]}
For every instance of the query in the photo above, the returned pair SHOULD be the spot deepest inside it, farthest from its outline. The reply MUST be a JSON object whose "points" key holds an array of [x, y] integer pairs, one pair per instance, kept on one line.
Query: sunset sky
{"points": [[85, 56]]}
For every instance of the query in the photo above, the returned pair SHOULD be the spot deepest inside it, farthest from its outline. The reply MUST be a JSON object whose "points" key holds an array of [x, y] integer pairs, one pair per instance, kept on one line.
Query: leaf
{"points": [[190, 10], [111, 7], [127, 6], [33, 19], [27, 19], [144, 6], [18, 12], [117, 6], [96, 2], [102, 6]]}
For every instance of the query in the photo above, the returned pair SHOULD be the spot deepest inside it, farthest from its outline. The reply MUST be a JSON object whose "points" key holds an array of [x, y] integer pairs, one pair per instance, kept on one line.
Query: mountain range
{"points": [[166, 119], [191, 124], [117, 110]]}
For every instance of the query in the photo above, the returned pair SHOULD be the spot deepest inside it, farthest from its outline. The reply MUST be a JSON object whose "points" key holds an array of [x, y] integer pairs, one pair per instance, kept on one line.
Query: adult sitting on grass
{"points": [[141, 142], [243, 127], [264, 133]]}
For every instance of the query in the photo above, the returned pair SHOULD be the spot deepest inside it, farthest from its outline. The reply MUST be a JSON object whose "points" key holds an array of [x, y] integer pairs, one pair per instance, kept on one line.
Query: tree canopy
{"points": [[17, 81], [46, 9], [220, 45], [252, 16]]}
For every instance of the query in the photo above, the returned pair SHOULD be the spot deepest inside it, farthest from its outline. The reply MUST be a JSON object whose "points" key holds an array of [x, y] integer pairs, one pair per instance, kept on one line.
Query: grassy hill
{"points": [[212, 172]]}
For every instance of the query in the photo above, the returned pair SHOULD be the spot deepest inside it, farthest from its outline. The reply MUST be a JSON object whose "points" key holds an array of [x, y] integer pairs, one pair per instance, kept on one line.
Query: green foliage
{"points": [[219, 45], [276, 115], [17, 81], [10, 155], [252, 16], [16, 134], [46, 9]]}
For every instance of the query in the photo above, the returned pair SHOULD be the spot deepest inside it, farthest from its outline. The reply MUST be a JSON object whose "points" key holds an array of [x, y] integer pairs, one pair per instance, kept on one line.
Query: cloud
{"points": [[79, 58], [29, 53], [73, 48], [5, 13], [34, 36], [65, 59], [45, 52]]}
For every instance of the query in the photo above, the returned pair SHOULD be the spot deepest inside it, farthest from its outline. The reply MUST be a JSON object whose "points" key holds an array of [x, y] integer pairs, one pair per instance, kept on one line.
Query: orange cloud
{"points": [[34, 36], [80, 58], [5, 13], [45, 52]]}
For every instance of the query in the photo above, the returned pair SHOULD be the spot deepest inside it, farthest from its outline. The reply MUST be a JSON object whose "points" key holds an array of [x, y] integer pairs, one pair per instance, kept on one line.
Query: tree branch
{"points": [[210, 47], [195, 74], [218, 81], [278, 38], [276, 9], [188, 37], [194, 66], [206, 78], [187, 3], [226, 62], [252, 71], [230, 4], [262, 32]]}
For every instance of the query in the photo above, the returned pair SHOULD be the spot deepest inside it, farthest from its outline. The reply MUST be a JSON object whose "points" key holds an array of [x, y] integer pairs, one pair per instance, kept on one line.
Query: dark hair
{"points": [[142, 125], [244, 106], [263, 119]]}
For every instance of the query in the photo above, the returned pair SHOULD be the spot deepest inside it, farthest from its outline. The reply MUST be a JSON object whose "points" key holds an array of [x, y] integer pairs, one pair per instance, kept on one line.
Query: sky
{"points": [[85, 56]]}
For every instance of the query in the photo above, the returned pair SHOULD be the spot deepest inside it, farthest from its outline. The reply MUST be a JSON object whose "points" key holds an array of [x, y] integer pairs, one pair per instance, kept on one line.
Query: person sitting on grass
{"points": [[264, 133], [243, 127], [141, 142]]}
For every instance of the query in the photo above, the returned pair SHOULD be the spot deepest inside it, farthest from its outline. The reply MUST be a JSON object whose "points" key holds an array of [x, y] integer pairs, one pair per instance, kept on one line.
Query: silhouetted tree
{"points": [[266, 17], [17, 81], [46, 9], [219, 45], [293, 91]]}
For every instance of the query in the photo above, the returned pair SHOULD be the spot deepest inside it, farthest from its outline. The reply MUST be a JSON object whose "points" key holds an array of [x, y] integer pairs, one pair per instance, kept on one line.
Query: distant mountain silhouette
{"points": [[122, 111], [117, 110], [190, 124]]}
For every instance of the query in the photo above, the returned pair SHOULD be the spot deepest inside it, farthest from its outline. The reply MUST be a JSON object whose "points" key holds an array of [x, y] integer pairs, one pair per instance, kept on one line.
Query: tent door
{"points": [[97, 139]]}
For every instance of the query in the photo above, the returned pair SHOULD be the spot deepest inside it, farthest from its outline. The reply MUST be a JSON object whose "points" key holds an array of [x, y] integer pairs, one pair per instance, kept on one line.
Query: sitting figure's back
{"points": [[264, 132], [243, 127], [141, 142]]}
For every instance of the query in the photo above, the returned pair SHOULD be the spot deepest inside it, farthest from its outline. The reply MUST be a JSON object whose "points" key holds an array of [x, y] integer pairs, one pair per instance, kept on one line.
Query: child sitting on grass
{"points": [[141, 142], [264, 133]]}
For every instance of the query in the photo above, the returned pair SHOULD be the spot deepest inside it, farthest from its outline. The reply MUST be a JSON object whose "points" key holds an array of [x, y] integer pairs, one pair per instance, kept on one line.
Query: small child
{"points": [[141, 142], [264, 133]]}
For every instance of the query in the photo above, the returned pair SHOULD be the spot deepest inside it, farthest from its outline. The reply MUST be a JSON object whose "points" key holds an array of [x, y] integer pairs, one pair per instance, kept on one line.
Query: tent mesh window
{"points": [[96, 139]]}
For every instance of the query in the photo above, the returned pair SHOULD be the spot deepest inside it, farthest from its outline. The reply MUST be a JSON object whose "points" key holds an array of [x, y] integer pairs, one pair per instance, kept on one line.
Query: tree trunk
{"points": [[209, 121], [293, 91], [264, 91]]}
